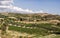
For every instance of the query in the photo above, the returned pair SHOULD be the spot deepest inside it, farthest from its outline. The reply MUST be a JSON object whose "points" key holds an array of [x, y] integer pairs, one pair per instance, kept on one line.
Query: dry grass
{"points": [[14, 34]]}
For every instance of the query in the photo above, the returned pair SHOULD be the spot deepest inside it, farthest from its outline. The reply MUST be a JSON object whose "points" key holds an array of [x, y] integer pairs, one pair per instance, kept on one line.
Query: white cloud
{"points": [[20, 9], [17, 8], [7, 4], [4, 2], [41, 11]]}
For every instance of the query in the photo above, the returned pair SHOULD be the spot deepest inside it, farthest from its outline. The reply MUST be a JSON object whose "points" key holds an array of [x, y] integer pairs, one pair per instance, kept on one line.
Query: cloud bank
{"points": [[8, 5]]}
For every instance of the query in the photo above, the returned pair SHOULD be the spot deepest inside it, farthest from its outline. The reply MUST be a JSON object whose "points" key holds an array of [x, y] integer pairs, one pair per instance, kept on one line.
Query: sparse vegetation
{"points": [[36, 24]]}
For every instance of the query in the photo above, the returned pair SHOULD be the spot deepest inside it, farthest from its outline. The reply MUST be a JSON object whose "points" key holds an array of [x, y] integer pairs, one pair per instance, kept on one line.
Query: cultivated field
{"points": [[13, 25]]}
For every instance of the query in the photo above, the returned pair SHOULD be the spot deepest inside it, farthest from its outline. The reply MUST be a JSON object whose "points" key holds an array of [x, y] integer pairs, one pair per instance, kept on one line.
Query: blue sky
{"points": [[51, 6]]}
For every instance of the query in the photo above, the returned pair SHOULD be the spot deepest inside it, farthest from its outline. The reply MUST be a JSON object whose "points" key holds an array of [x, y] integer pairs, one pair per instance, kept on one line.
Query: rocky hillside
{"points": [[33, 17], [41, 24]]}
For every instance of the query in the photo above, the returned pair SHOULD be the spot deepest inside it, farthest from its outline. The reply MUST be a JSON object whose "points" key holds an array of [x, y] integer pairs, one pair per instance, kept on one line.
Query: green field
{"points": [[36, 29]]}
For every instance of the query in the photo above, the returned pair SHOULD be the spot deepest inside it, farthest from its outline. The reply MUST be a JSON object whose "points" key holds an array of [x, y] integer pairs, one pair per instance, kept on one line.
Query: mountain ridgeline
{"points": [[32, 17]]}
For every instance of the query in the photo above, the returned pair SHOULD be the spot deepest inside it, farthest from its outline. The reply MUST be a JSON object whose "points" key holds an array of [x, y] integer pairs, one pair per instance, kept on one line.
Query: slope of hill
{"points": [[42, 24]]}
